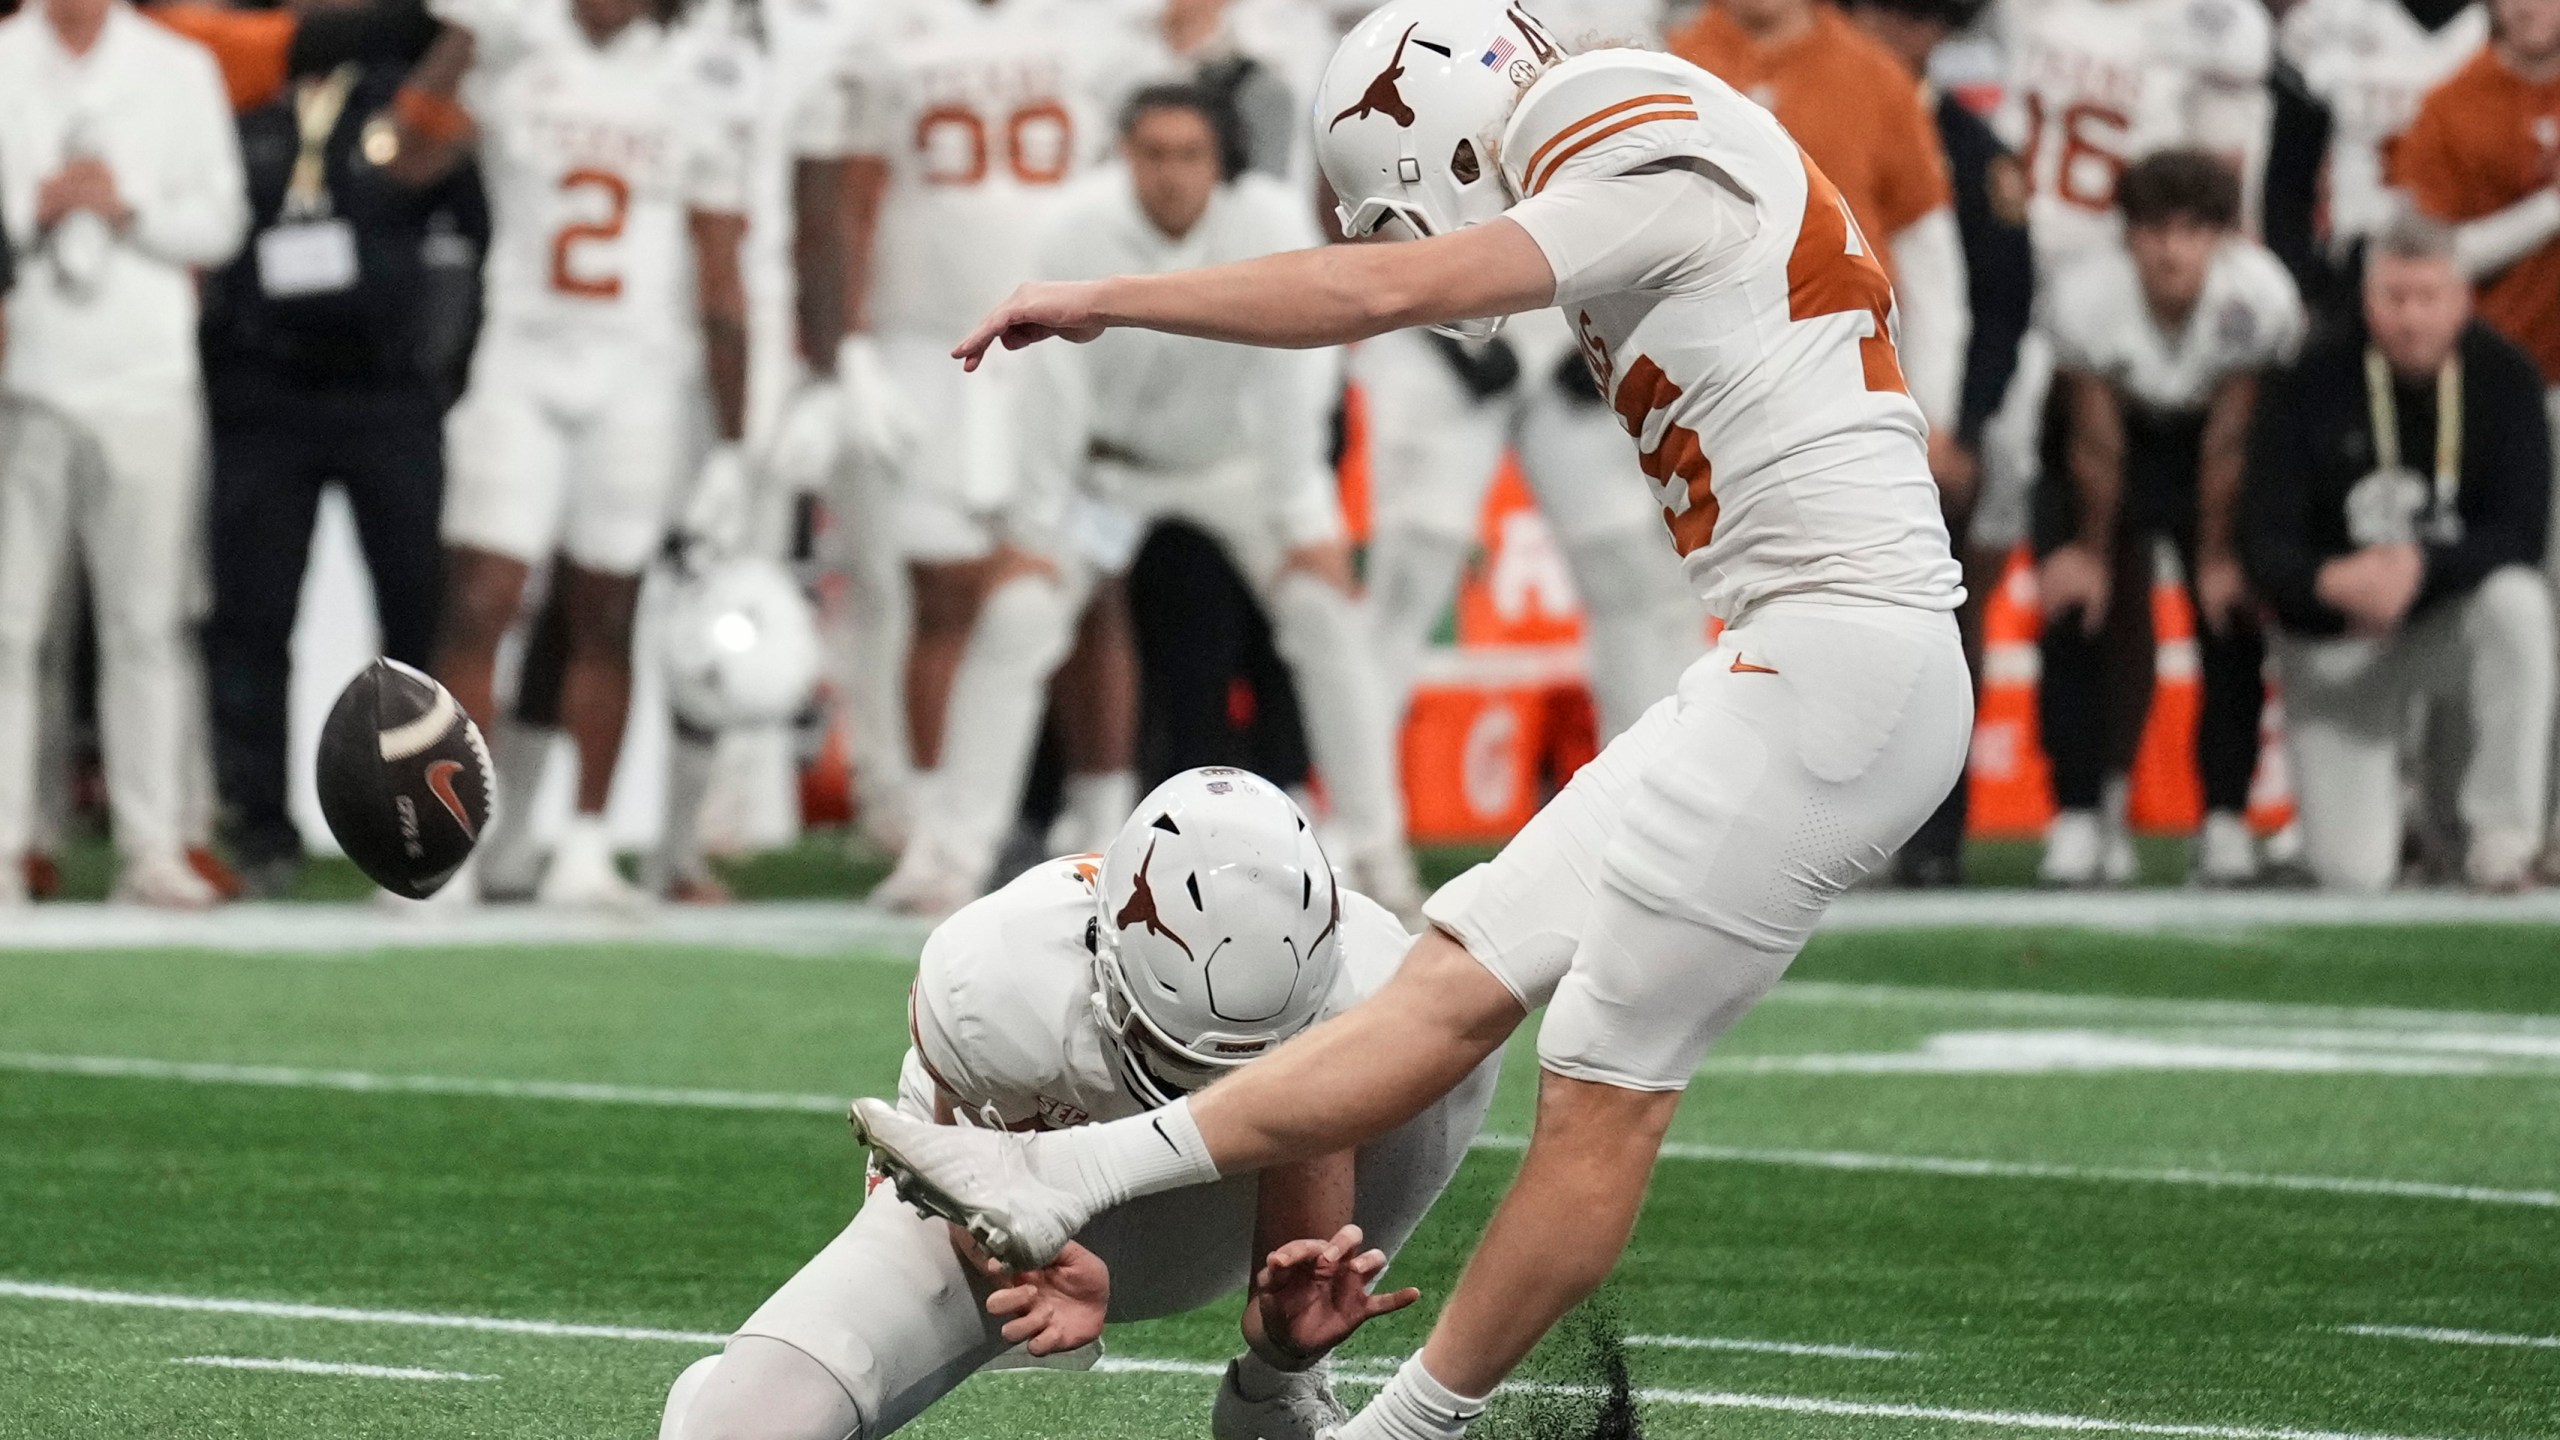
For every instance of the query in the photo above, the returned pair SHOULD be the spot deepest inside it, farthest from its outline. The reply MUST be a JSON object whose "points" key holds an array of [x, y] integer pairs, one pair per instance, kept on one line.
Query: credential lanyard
{"points": [[316, 108], [2385, 410]]}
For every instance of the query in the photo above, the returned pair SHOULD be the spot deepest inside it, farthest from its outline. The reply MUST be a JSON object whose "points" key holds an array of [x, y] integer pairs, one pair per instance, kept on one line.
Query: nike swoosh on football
{"points": [[440, 775]]}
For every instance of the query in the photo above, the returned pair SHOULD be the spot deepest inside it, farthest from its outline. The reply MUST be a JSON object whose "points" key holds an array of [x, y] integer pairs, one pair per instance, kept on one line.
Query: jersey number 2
{"points": [[567, 278], [1832, 271]]}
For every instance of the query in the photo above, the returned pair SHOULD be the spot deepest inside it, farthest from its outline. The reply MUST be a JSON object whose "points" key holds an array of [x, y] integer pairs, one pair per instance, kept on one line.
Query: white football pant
{"points": [[886, 1320], [1433, 450], [2489, 656], [124, 479], [1653, 901], [1028, 625]]}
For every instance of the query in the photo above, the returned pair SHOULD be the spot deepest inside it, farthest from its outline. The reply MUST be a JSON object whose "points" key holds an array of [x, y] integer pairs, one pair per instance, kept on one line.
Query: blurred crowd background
{"points": [[562, 348]]}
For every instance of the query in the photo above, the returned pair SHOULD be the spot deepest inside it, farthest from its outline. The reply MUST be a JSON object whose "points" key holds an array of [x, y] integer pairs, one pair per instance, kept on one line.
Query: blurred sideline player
{"points": [[614, 162], [2159, 342], [957, 122], [2094, 86], [1739, 321], [122, 176], [1865, 121], [1990, 191], [1078, 993], [2371, 62], [1144, 427], [2484, 156], [1441, 409]]}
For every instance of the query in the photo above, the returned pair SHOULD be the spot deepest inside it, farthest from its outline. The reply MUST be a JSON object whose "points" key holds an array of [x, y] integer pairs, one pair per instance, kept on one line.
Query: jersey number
{"points": [[953, 142], [566, 277], [1832, 271], [2086, 173]]}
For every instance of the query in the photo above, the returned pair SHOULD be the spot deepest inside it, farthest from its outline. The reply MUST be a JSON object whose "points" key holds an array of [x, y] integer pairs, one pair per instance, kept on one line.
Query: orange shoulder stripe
{"points": [[1594, 118], [1537, 183]]}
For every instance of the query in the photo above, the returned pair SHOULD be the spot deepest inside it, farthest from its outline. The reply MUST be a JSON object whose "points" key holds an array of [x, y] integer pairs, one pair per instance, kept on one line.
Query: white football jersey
{"points": [[2371, 63], [2249, 318], [592, 157], [983, 112], [1003, 1012], [1741, 327], [2098, 84]]}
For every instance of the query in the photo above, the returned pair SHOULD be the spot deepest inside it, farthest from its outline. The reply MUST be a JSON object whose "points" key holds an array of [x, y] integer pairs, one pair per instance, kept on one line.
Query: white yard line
{"points": [[1766, 1347], [281, 1310], [836, 927], [189, 1072], [1814, 1405], [324, 1367], [2437, 1336], [2052, 1005], [365, 1081], [1125, 1364]]}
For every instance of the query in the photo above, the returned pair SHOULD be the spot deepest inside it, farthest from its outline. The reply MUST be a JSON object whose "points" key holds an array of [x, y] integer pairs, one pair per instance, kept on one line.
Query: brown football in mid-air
{"points": [[404, 779]]}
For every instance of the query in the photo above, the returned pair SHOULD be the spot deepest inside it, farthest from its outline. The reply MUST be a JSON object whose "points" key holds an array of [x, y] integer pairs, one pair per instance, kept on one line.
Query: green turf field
{"points": [[1954, 1184]]}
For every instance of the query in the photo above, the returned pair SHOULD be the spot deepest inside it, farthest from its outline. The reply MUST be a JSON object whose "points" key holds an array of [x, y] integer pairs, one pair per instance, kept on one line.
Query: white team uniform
{"points": [[2371, 62], [2094, 86], [1139, 427], [1740, 325], [2248, 318], [1433, 449], [584, 407], [1005, 1028], [102, 434], [981, 112]]}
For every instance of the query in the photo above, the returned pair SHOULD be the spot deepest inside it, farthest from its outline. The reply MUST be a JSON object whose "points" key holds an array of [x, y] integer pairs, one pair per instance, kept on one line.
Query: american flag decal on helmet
{"points": [[1501, 49]]}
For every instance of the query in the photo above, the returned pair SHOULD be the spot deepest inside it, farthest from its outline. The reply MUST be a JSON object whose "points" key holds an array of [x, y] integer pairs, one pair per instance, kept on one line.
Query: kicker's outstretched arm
{"points": [[1299, 299]]}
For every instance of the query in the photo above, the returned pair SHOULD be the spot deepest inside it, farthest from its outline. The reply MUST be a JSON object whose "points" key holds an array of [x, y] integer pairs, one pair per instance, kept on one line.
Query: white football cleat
{"points": [[979, 1180], [924, 884], [164, 882], [582, 873], [2226, 851], [1304, 1410], [2074, 846], [1384, 871]]}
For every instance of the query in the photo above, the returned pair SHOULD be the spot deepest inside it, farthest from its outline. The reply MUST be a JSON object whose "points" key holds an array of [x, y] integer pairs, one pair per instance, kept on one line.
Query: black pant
{"points": [[274, 448], [2095, 690], [1204, 645]]}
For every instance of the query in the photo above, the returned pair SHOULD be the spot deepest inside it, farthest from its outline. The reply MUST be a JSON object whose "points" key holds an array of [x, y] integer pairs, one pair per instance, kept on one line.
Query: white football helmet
{"points": [[1218, 930], [740, 645], [1409, 116]]}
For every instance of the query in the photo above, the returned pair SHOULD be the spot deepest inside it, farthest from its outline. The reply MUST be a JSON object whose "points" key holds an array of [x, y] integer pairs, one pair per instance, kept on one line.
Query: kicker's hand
{"points": [[1056, 1308], [1041, 310], [1311, 1294]]}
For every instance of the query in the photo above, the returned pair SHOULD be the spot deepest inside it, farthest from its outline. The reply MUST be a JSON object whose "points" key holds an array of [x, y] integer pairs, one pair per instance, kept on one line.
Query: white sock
{"points": [[1414, 1406], [1118, 1161]]}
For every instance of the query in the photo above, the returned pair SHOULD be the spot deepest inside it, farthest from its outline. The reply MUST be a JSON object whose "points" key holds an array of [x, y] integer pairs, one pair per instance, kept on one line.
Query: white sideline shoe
{"points": [[2500, 862], [1385, 872], [924, 885], [979, 1180], [165, 882], [2075, 846], [1306, 1410], [582, 872], [2226, 852]]}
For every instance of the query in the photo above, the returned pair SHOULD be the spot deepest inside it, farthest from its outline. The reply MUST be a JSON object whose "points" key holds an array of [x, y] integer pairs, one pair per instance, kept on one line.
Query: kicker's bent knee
{"points": [[761, 1389]]}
